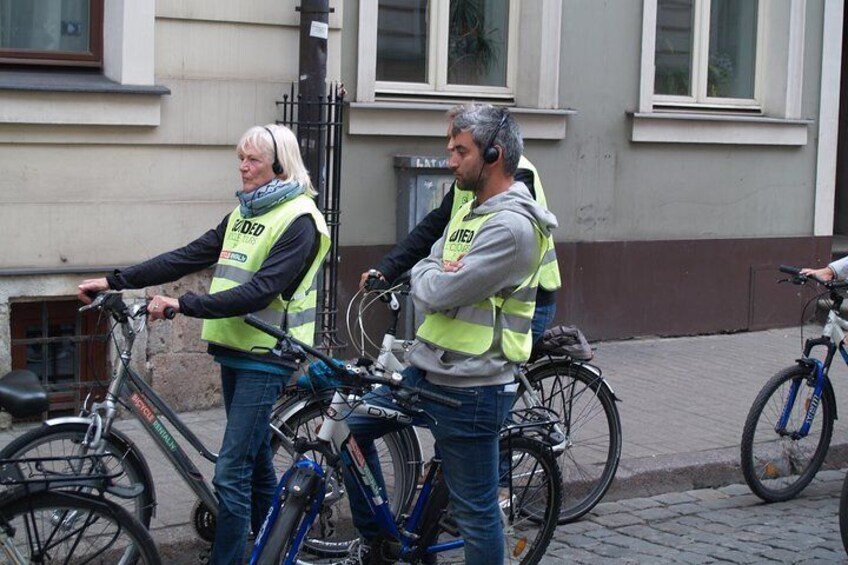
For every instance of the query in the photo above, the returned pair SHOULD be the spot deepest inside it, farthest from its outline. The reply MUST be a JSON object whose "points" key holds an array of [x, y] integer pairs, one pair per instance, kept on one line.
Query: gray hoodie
{"points": [[504, 252]]}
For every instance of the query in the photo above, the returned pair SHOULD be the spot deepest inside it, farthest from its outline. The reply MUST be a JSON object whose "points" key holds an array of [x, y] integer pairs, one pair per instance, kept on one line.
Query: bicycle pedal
{"points": [[449, 525]]}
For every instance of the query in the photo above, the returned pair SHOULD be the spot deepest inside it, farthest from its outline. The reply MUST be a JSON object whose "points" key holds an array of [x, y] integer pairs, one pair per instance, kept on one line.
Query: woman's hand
{"points": [[89, 287], [156, 307]]}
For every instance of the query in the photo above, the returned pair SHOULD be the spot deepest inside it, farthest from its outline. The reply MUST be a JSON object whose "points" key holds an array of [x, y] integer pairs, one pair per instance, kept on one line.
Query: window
{"points": [[706, 52], [66, 349], [445, 47], [54, 32]]}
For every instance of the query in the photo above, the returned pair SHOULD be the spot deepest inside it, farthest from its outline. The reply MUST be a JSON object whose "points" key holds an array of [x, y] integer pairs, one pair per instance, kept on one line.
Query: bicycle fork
{"points": [[817, 368]]}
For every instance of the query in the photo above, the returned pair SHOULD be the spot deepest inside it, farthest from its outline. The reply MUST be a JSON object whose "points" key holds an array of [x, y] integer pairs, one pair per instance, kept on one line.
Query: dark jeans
{"points": [[244, 474], [542, 318], [468, 441]]}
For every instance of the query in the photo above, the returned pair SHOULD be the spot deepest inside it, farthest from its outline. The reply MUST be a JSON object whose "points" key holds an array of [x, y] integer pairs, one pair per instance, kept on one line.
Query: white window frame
{"points": [[779, 85], [437, 59], [700, 58]]}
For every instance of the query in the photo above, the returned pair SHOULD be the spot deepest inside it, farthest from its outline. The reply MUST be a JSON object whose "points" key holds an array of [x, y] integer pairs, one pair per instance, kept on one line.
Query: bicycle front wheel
{"points": [[776, 462], [843, 514], [592, 427], [71, 527]]}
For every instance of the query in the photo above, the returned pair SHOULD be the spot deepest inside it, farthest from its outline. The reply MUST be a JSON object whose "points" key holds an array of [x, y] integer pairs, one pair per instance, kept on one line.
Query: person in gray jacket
{"points": [[490, 251]]}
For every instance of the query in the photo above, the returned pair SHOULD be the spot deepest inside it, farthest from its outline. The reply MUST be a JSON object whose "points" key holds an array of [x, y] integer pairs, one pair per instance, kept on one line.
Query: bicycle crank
{"points": [[203, 520]]}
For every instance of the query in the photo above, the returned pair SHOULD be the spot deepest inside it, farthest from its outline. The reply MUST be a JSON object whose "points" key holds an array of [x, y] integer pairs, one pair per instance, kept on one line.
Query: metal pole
{"points": [[312, 88]]}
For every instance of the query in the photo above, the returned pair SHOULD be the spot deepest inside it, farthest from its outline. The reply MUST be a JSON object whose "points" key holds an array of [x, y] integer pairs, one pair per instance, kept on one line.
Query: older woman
{"points": [[267, 252]]}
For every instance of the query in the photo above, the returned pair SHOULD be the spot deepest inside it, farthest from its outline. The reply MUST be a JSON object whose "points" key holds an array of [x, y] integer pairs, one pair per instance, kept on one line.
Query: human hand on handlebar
{"points": [[157, 308], [370, 274], [825, 274], [90, 287]]}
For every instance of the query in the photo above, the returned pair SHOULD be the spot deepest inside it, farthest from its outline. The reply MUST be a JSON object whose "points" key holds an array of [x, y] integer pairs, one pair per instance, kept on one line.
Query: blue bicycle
{"points": [[788, 429], [530, 486]]}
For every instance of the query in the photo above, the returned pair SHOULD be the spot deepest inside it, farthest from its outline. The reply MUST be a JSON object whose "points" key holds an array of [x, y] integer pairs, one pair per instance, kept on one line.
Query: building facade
{"points": [[687, 148]]}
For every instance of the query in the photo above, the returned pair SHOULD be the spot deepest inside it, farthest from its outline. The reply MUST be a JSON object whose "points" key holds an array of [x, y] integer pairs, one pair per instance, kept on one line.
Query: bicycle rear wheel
{"points": [[400, 461], [71, 527], [592, 426], [777, 464], [62, 440]]}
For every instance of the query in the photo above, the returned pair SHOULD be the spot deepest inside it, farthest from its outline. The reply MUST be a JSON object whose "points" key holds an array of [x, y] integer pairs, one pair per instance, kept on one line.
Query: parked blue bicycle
{"points": [[530, 484], [789, 426]]}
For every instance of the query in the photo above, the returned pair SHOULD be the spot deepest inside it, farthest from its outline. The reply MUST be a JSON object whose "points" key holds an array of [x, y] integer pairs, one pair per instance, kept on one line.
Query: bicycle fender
{"points": [[121, 440], [598, 373]]}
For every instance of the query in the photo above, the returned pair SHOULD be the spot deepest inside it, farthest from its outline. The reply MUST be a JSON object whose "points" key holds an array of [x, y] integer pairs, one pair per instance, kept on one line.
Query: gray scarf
{"points": [[259, 201]]}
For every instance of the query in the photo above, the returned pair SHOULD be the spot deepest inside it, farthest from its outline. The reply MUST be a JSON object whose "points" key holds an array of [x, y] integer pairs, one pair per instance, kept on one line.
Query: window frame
{"points": [[437, 40], [700, 57], [91, 59], [90, 341]]}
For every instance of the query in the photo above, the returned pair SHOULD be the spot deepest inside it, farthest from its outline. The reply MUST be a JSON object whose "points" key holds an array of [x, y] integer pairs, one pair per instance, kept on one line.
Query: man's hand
{"points": [[369, 274], [89, 287], [452, 266], [156, 307], [825, 274]]}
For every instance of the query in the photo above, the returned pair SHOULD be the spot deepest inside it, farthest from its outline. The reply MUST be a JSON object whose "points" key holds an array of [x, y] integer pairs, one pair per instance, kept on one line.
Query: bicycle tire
{"points": [[777, 467], [592, 424], [75, 527], [400, 459], [61, 440], [291, 514], [843, 514], [530, 514]]}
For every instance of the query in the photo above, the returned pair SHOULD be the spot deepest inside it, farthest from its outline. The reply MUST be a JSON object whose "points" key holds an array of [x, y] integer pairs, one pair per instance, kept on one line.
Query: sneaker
{"points": [[358, 553]]}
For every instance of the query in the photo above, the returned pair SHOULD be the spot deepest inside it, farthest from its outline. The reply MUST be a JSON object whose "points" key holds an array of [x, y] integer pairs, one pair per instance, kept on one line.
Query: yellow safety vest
{"points": [[470, 330], [549, 277], [247, 243]]}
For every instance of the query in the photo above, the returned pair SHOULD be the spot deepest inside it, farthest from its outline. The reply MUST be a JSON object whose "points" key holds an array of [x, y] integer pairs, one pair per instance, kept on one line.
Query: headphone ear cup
{"points": [[277, 167], [491, 154]]}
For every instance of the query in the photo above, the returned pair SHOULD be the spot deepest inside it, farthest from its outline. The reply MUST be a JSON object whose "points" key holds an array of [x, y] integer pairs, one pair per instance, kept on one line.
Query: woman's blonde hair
{"points": [[288, 152]]}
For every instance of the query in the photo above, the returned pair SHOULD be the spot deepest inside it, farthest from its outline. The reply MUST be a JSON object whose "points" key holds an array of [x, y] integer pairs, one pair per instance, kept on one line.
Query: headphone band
{"points": [[277, 167]]}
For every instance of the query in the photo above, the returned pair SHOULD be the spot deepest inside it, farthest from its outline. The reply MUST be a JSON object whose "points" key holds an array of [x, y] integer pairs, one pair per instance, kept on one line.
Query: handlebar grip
{"points": [[440, 398], [263, 326], [788, 269], [170, 312]]}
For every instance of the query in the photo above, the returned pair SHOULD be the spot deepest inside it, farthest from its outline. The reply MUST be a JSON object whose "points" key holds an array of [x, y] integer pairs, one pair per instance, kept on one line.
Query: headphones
{"points": [[277, 167], [491, 152]]}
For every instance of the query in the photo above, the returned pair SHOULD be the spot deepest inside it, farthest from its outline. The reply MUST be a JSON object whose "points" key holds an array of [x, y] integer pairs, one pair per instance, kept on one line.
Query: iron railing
{"points": [[318, 125]]}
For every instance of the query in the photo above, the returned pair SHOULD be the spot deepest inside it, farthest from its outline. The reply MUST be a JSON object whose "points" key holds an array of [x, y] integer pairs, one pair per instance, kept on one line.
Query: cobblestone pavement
{"points": [[724, 525]]}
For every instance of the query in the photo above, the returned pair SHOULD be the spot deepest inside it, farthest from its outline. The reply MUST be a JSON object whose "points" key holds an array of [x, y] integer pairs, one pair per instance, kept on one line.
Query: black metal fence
{"points": [[317, 123]]}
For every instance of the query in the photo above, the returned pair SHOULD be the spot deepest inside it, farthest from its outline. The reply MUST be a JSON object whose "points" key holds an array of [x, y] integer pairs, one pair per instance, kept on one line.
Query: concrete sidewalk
{"points": [[683, 406]]}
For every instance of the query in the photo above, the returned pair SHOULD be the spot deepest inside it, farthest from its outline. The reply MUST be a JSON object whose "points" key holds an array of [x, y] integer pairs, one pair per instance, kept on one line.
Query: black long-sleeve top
{"points": [[416, 246], [280, 273]]}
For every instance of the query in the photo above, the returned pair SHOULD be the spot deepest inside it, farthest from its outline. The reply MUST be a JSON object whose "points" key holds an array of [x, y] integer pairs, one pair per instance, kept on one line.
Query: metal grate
{"points": [[318, 125]]}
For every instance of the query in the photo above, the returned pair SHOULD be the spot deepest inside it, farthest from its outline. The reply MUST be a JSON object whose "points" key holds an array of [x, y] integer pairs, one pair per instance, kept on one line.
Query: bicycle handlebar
{"points": [[282, 336], [798, 278]]}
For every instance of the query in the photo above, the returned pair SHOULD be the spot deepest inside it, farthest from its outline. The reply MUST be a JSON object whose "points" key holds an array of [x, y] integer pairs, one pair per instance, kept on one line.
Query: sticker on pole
{"points": [[319, 30]]}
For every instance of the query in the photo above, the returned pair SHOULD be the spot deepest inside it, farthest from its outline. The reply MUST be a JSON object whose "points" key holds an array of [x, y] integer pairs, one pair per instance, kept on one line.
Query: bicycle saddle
{"points": [[22, 395]]}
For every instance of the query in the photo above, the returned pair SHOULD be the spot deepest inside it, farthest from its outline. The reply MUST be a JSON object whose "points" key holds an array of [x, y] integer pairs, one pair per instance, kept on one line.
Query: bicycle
{"points": [[589, 430], [50, 517], [785, 440], [93, 431], [531, 480]]}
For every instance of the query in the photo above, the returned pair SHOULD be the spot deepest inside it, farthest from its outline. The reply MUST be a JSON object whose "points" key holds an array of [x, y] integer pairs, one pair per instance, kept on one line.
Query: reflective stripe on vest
{"points": [[247, 243], [470, 330], [549, 277]]}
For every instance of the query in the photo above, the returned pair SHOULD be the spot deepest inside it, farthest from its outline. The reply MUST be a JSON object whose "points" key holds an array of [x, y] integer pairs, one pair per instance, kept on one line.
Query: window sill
{"points": [[67, 98], [428, 120], [683, 127]]}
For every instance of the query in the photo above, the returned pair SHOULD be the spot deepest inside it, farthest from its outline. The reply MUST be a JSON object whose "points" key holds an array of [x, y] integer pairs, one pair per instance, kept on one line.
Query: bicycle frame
{"points": [[338, 446], [833, 339]]}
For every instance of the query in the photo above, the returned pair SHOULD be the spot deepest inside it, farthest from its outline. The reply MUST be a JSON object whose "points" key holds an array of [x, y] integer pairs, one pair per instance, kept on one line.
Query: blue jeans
{"points": [[542, 318], [244, 474], [468, 440]]}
